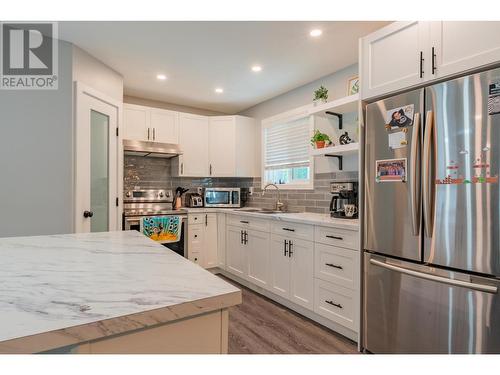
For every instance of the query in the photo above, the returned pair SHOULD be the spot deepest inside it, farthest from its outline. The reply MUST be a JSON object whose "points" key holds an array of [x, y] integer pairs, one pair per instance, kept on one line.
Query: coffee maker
{"points": [[343, 193]]}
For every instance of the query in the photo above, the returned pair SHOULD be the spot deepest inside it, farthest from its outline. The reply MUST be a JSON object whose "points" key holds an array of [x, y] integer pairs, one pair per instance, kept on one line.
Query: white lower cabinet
{"points": [[235, 256], [280, 266], [315, 275], [256, 249], [335, 303], [292, 269], [203, 239]]}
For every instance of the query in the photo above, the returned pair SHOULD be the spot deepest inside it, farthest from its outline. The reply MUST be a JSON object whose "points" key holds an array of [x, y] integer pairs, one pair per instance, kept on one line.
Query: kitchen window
{"points": [[286, 154]]}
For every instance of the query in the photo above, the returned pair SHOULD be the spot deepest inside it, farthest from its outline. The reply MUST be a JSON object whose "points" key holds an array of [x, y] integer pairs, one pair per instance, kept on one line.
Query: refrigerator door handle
{"points": [[427, 173], [415, 176], [439, 279]]}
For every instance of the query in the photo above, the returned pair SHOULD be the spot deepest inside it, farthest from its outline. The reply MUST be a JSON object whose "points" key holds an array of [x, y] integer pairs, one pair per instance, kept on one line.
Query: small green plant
{"points": [[321, 94], [320, 137]]}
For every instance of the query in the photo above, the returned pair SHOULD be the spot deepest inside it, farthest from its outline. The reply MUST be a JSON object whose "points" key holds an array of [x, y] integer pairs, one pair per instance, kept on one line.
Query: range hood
{"points": [[151, 149]]}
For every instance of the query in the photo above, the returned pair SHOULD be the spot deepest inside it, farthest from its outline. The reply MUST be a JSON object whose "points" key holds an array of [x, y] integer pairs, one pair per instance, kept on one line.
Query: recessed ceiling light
{"points": [[219, 90], [256, 68], [161, 77], [315, 32]]}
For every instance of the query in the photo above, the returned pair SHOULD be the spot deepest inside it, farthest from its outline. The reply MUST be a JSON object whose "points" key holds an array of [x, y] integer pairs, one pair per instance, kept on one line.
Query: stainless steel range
{"points": [[139, 203]]}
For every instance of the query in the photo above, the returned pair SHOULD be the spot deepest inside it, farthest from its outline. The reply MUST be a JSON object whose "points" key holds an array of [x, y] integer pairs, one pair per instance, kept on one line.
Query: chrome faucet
{"points": [[279, 203]]}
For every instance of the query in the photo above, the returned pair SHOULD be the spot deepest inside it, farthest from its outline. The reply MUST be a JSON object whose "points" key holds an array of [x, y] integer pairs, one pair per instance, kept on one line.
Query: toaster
{"points": [[194, 200]]}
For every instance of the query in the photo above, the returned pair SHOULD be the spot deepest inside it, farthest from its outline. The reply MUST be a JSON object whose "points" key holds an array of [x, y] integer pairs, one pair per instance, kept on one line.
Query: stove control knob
{"points": [[128, 194], [161, 194]]}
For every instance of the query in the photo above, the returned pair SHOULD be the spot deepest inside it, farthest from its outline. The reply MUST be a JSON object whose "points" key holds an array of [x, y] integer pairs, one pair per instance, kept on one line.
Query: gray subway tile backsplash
{"points": [[154, 173]]}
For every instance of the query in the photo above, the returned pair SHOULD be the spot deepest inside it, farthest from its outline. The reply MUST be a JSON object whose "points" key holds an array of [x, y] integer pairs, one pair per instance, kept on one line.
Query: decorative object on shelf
{"points": [[320, 95], [344, 139], [320, 140], [353, 85]]}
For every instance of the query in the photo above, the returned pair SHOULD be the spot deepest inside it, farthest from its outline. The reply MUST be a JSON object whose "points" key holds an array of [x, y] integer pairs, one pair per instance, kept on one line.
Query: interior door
{"points": [[462, 200], [221, 147], [193, 140], [302, 272], [257, 250], [392, 175], [96, 157], [280, 266]]}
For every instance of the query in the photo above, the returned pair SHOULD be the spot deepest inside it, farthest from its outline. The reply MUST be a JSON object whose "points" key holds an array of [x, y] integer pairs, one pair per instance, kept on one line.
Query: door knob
{"points": [[88, 214]]}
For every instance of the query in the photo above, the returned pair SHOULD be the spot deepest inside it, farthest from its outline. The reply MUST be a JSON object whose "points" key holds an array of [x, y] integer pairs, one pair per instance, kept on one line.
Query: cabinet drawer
{"points": [[195, 257], [303, 231], [196, 219], [337, 237], [195, 238], [248, 222], [336, 264], [335, 303]]}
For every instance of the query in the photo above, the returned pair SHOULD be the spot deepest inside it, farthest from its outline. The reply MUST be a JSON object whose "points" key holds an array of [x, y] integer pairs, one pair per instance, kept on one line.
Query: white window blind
{"points": [[287, 145]]}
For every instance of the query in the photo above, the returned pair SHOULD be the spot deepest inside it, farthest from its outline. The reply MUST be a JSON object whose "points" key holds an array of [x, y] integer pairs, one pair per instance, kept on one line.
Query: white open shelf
{"points": [[344, 105], [341, 150]]}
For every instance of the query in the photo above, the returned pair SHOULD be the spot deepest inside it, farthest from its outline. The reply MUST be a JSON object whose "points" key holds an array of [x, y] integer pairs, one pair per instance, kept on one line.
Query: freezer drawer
{"points": [[411, 308]]}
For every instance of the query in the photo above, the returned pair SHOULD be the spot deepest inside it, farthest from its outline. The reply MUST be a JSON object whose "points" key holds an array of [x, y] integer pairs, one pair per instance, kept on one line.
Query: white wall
{"points": [[36, 157], [94, 73], [336, 84]]}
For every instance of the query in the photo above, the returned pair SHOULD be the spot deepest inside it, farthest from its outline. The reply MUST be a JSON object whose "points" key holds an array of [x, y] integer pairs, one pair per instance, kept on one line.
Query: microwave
{"points": [[222, 197]]}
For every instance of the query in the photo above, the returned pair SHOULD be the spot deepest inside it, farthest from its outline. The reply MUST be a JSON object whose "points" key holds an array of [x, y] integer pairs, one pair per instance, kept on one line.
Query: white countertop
{"points": [[54, 282], [301, 217]]}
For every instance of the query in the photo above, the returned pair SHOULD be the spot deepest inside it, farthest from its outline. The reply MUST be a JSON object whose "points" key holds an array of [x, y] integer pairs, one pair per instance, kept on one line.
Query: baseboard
{"points": [[351, 335]]}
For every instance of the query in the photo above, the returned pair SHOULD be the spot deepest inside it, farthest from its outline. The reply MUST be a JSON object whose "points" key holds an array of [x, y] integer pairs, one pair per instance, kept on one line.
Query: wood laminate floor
{"points": [[261, 326]]}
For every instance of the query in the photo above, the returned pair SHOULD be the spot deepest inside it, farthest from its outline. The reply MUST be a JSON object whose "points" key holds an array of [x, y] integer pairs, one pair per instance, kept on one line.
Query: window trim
{"points": [[293, 115]]}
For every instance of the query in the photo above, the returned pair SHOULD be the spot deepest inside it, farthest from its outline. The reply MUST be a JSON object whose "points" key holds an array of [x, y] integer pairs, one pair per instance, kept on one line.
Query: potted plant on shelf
{"points": [[320, 140], [320, 95]]}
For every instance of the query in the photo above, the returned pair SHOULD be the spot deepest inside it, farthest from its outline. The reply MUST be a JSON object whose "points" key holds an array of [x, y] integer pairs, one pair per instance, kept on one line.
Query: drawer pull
{"points": [[334, 266], [289, 230], [334, 237], [244, 221], [334, 304]]}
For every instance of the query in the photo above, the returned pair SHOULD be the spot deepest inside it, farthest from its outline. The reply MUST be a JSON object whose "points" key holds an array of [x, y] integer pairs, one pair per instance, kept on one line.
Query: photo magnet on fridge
{"points": [[400, 117], [494, 98], [390, 170]]}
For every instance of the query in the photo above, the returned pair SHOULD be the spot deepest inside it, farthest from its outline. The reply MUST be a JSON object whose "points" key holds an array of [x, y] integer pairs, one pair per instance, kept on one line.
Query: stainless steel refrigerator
{"points": [[432, 219]]}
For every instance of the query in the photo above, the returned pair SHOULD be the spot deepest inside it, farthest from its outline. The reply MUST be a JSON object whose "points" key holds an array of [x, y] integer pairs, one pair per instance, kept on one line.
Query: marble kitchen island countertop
{"points": [[62, 290]]}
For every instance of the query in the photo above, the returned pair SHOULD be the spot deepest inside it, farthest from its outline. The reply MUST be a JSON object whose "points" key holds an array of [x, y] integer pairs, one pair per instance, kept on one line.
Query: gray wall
{"points": [[336, 84], [36, 157]]}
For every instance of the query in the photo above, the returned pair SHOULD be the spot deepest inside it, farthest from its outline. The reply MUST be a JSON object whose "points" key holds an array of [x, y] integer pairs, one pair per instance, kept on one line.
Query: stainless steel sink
{"points": [[268, 211]]}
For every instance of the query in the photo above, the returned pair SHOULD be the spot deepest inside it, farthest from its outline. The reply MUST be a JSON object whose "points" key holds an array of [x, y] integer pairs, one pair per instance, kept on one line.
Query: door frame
{"points": [[80, 90]]}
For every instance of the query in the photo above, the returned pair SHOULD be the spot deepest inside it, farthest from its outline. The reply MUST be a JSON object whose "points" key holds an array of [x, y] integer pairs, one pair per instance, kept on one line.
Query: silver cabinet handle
{"points": [[439, 279], [182, 168], [415, 176], [154, 134], [427, 173], [148, 134]]}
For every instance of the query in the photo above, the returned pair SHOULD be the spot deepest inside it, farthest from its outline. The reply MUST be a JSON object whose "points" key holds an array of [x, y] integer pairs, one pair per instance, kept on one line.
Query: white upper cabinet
{"points": [[463, 45], [391, 58], [164, 125], [406, 54], [136, 122], [150, 124], [221, 150], [193, 139], [231, 146]]}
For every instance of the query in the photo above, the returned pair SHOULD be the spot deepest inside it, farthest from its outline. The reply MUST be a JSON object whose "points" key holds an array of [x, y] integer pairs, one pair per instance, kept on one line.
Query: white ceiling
{"points": [[199, 56]]}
